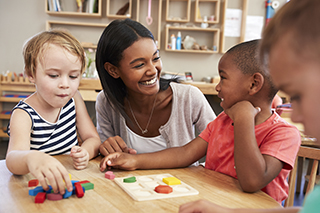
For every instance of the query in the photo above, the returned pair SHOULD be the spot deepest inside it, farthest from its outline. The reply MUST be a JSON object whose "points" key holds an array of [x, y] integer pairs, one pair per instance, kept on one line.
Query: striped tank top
{"points": [[52, 138]]}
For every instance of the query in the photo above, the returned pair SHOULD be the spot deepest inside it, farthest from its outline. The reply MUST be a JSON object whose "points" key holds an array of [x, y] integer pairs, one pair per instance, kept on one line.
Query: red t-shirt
{"points": [[275, 137]]}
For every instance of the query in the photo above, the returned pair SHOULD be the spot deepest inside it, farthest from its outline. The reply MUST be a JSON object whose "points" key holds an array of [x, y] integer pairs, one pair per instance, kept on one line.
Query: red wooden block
{"points": [[79, 190], [53, 196], [81, 182], [163, 189], [40, 197], [33, 182]]}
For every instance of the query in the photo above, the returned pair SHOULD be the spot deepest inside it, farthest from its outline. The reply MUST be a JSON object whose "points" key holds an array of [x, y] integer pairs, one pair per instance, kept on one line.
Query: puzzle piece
{"points": [[163, 189], [144, 187], [87, 186], [33, 182], [109, 175], [130, 179], [35, 191], [171, 181], [67, 194], [54, 196], [40, 197], [79, 190]]}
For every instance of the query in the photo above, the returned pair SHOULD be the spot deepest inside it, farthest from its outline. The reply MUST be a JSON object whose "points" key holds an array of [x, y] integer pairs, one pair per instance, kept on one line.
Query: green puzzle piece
{"points": [[130, 179]]}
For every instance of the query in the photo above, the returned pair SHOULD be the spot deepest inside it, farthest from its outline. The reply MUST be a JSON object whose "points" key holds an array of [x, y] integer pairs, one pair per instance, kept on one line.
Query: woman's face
{"points": [[140, 67], [299, 77]]}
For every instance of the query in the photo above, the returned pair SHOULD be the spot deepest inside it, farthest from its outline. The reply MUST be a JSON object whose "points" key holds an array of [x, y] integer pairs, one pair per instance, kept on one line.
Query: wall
{"points": [[21, 19]]}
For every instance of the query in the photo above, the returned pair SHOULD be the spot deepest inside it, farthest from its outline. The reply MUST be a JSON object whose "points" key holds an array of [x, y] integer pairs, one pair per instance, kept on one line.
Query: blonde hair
{"points": [[300, 19], [35, 47]]}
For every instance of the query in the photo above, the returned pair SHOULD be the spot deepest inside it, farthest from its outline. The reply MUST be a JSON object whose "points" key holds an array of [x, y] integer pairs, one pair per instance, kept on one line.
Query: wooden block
{"points": [[109, 175], [35, 191], [163, 189], [40, 197], [171, 181], [54, 196], [33, 182], [87, 186], [67, 194], [79, 190]]}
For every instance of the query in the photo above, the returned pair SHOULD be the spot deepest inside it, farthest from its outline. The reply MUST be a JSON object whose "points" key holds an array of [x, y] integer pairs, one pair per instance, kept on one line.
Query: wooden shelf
{"points": [[208, 8], [212, 43], [113, 6], [178, 6], [74, 13]]}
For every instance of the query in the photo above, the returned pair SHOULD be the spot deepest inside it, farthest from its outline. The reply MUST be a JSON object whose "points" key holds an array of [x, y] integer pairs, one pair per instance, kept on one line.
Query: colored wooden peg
{"points": [[109, 175], [40, 197], [165, 189], [79, 190], [130, 179], [54, 196], [33, 182]]}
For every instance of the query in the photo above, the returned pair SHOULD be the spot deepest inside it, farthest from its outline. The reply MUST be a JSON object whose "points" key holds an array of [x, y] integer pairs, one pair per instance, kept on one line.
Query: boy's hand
{"points": [[202, 206], [242, 108], [43, 166], [115, 144], [119, 160], [80, 157]]}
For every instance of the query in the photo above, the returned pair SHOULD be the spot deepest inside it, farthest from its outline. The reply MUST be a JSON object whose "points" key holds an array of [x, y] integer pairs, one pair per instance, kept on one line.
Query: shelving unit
{"points": [[155, 27], [181, 15], [211, 37], [113, 7], [72, 11], [208, 8], [89, 89]]}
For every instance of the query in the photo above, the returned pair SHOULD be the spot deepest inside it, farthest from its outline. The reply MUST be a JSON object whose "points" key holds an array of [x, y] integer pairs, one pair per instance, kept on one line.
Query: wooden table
{"points": [[107, 196]]}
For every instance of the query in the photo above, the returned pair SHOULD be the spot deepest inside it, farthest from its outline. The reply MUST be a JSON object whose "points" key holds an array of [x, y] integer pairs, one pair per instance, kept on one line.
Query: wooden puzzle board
{"points": [[143, 188]]}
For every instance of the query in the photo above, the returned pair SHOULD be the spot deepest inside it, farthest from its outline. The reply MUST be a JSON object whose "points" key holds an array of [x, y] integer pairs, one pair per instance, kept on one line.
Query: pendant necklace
{"points": [[134, 117]]}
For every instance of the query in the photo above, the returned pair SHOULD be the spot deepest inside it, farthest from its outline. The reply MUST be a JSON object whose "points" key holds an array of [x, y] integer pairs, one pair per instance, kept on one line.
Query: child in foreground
{"points": [[247, 141], [290, 48], [47, 122]]}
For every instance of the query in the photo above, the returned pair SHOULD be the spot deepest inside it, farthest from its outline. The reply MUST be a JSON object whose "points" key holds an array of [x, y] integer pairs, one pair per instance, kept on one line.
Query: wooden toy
{"points": [[144, 187], [40, 197], [171, 181], [163, 189], [33, 182], [109, 175], [53, 196]]}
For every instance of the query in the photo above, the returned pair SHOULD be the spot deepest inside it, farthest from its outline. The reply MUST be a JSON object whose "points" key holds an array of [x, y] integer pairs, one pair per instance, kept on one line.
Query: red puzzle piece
{"points": [[33, 182], [40, 197], [163, 189], [79, 190]]}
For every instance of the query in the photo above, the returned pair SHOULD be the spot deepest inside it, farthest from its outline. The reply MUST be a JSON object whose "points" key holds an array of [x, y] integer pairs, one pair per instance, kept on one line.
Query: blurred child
{"points": [[290, 47], [247, 141], [47, 122]]}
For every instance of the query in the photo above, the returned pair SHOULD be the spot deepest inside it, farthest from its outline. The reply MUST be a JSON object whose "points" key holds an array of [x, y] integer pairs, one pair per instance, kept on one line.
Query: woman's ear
{"points": [[111, 69], [257, 83]]}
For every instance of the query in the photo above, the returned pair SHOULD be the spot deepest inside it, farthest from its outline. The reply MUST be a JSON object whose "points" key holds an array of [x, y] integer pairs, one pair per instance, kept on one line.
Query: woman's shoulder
{"points": [[184, 88]]}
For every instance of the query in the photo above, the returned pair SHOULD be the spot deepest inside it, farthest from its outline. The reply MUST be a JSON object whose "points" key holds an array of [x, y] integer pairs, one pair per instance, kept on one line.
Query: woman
{"points": [[137, 111]]}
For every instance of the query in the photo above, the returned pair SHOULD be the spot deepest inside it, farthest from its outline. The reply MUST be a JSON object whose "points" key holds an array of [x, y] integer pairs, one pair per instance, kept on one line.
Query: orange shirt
{"points": [[275, 137]]}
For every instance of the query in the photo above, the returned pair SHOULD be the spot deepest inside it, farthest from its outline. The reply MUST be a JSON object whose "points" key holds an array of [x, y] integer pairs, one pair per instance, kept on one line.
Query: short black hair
{"points": [[246, 57]]}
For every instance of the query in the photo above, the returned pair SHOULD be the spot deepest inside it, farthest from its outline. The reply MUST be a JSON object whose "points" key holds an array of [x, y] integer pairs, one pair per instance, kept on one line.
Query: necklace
{"points": [[134, 117]]}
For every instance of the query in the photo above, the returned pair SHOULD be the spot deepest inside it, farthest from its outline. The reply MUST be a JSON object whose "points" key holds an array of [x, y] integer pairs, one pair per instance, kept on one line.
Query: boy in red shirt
{"points": [[247, 141]]}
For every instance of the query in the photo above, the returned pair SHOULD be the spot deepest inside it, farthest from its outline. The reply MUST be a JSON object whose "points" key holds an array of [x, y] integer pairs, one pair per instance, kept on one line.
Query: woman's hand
{"points": [[115, 144], [119, 160]]}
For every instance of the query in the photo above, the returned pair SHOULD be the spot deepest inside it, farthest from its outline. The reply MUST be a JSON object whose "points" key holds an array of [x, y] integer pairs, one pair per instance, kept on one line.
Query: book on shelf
{"points": [[54, 5]]}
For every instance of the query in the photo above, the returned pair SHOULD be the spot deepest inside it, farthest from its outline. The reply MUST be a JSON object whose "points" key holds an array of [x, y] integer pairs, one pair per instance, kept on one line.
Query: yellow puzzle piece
{"points": [[171, 181]]}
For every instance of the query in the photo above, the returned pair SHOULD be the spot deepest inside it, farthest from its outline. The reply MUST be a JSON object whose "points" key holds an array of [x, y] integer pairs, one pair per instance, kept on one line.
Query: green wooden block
{"points": [[87, 186], [130, 179]]}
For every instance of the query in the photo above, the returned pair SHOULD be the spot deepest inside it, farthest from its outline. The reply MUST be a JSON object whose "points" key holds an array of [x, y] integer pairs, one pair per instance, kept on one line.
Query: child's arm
{"points": [[254, 170], [168, 158], [208, 207], [88, 134], [21, 160]]}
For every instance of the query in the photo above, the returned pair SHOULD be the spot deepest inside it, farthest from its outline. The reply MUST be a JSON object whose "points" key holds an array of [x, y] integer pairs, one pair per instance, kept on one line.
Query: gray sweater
{"points": [[189, 107]]}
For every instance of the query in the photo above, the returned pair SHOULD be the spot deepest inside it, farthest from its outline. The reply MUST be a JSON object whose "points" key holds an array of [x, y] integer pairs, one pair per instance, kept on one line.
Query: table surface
{"points": [[108, 196]]}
